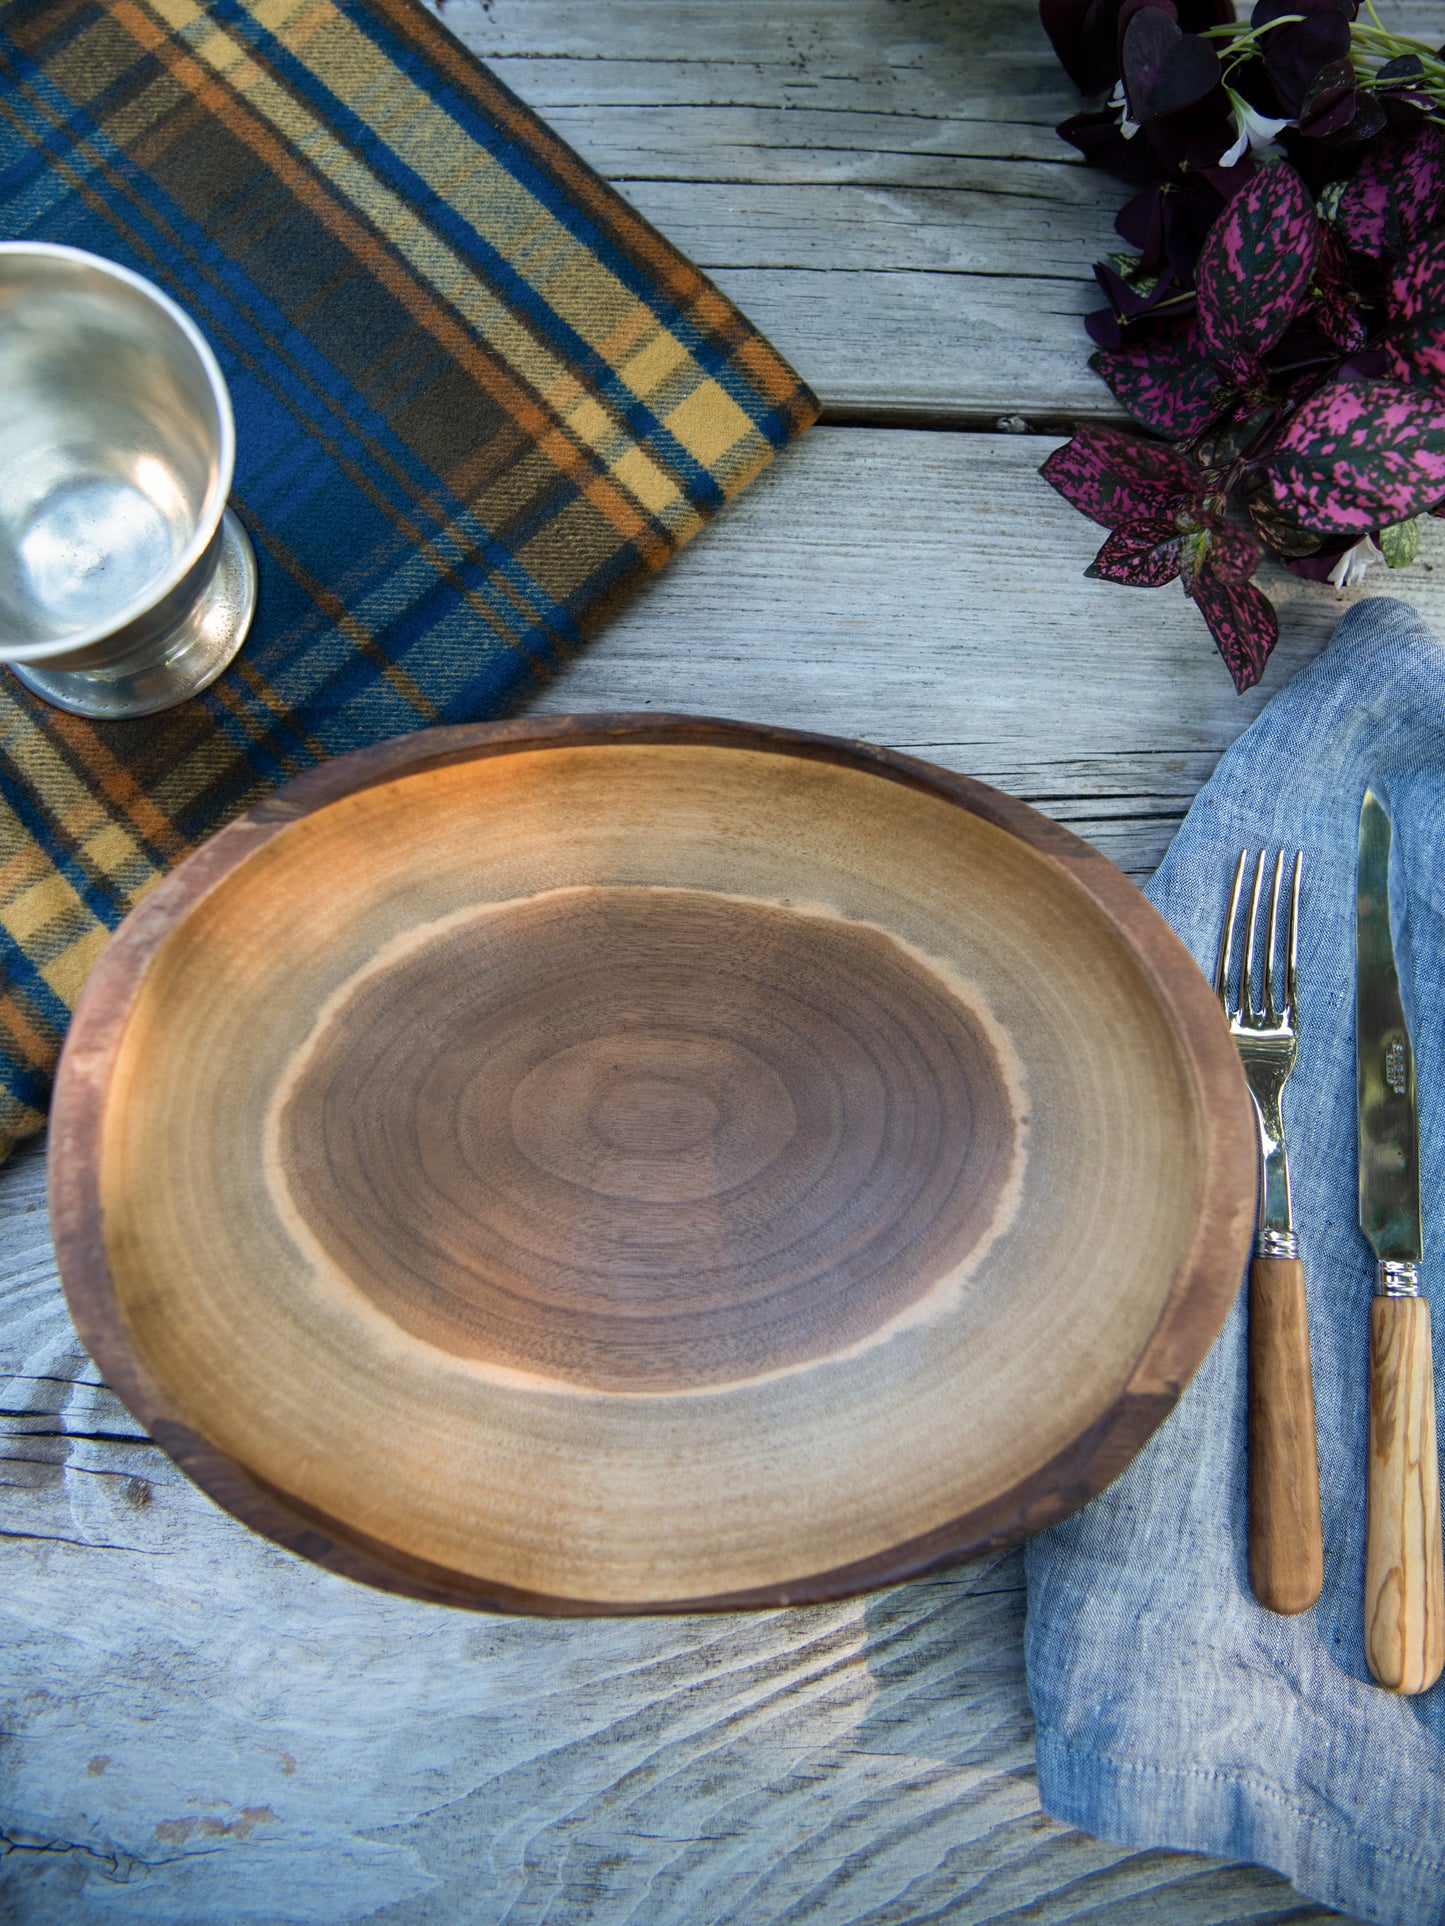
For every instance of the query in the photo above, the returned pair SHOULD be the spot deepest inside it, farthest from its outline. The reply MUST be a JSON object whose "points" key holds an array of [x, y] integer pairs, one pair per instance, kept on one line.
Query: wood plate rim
{"points": [[1194, 1309]]}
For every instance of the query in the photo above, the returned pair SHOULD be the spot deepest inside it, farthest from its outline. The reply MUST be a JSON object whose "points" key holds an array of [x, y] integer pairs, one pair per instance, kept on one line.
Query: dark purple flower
{"points": [[1085, 36], [1168, 221], [1100, 140], [1130, 305]]}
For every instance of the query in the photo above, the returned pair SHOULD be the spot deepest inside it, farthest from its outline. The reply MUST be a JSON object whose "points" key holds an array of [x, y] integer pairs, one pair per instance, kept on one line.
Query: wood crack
{"points": [[82, 1544], [89, 1437]]}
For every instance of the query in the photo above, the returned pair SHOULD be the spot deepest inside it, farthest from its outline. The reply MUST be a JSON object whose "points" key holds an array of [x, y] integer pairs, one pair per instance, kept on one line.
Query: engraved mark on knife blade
{"points": [[1395, 1066]]}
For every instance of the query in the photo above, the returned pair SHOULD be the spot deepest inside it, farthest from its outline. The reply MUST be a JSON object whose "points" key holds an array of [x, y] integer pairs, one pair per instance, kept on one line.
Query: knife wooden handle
{"points": [[1404, 1577], [1286, 1547]]}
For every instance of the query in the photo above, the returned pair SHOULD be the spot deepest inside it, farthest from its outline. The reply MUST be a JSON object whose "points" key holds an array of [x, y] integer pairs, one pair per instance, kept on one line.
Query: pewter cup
{"points": [[126, 584]]}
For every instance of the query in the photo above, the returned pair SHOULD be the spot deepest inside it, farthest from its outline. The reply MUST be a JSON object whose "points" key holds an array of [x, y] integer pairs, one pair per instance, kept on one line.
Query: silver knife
{"points": [[1404, 1574]]}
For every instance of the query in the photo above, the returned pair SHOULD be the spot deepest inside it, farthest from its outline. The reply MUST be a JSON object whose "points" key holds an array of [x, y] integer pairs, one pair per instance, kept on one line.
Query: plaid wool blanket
{"points": [[477, 397]]}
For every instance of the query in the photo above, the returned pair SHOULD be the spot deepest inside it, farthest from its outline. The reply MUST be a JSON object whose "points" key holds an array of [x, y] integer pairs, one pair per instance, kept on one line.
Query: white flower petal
{"points": [[1252, 129], [1260, 127], [1354, 563]]}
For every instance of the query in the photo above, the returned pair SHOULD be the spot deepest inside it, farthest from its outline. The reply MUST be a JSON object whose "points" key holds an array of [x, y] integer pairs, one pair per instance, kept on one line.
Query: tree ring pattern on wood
{"points": [[648, 1139], [234, 1144]]}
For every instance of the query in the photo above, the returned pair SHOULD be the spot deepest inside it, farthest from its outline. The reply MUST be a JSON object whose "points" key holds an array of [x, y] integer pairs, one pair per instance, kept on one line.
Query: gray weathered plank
{"points": [[878, 184], [200, 1728], [859, 176], [926, 590]]}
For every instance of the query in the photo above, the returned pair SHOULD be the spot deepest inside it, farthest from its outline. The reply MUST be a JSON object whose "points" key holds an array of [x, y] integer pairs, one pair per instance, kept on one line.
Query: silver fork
{"points": [[1286, 1556]]}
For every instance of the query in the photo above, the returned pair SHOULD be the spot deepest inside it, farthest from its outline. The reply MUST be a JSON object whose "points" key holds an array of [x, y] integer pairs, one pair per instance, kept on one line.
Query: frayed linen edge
{"points": [[1082, 1788]]}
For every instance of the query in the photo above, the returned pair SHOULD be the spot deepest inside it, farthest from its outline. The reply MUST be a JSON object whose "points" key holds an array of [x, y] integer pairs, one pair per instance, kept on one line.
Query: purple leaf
{"points": [[1359, 455], [1294, 54], [1255, 266], [1115, 477], [1141, 554], [1166, 384], [1165, 69], [1369, 121], [1402, 67], [1396, 194], [1414, 343], [1330, 101], [1242, 621]]}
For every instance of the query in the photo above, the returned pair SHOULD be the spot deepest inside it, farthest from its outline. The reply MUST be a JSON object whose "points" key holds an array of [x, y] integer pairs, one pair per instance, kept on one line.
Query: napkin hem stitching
{"points": [[1244, 1778]]}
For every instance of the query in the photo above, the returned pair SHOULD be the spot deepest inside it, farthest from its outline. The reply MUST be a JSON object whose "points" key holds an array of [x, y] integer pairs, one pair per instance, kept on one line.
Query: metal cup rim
{"points": [[212, 508]]}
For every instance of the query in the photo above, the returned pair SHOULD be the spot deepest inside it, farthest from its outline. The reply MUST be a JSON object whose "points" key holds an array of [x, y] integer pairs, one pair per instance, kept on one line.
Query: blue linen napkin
{"points": [[1172, 1710]]}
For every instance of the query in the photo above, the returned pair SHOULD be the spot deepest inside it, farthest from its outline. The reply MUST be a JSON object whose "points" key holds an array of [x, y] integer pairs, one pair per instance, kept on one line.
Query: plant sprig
{"points": [[1278, 325]]}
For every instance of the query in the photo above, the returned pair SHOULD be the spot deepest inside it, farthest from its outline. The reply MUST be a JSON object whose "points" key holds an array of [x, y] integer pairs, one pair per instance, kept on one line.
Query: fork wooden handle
{"points": [[1286, 1546], [1404, 1578]]}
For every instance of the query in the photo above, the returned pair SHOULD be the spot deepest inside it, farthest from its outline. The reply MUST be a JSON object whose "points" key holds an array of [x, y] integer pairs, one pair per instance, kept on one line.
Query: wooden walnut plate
{"points": [[641, 1164]]}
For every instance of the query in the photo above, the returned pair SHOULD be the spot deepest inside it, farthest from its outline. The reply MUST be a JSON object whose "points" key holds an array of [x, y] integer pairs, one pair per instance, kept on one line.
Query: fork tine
{"points": [[1291, 941], [1246, 979], [1271, 1003], [1226, 937]]}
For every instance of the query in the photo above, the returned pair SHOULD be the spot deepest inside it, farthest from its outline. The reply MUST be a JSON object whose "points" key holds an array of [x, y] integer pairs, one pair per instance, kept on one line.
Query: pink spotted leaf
{"points": [[1141, 554], [1335, 303], [1397, 193], [1166, 384], [1281, 532], [1415, 337], [1239, 432], [1228, 551], [1116, 477], [1242, 621], [1255, 266], [1359, 455]]}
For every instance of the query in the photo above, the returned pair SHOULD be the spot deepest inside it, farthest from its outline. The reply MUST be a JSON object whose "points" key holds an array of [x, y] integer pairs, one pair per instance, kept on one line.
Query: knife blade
{"points": [[1404, 1572]]}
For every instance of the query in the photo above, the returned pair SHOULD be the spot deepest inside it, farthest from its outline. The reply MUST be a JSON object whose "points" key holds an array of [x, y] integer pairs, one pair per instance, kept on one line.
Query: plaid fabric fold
{"points": [[477, 397]]}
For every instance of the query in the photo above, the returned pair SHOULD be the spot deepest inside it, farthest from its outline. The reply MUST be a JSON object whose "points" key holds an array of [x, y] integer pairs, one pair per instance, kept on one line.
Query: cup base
{"points": [[188, 659]]}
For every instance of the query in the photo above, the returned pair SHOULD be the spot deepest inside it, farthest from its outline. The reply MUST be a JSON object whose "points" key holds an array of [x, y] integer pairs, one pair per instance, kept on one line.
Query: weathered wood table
{"points": [[197, 1727]]}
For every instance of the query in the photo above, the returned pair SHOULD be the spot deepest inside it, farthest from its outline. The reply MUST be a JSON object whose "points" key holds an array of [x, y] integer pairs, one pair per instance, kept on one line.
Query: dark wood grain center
{"points": [[641, 1139]]}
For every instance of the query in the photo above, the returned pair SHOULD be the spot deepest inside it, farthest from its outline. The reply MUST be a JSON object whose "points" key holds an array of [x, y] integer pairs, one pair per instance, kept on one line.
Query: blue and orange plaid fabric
{"points": [[477, 397]]}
